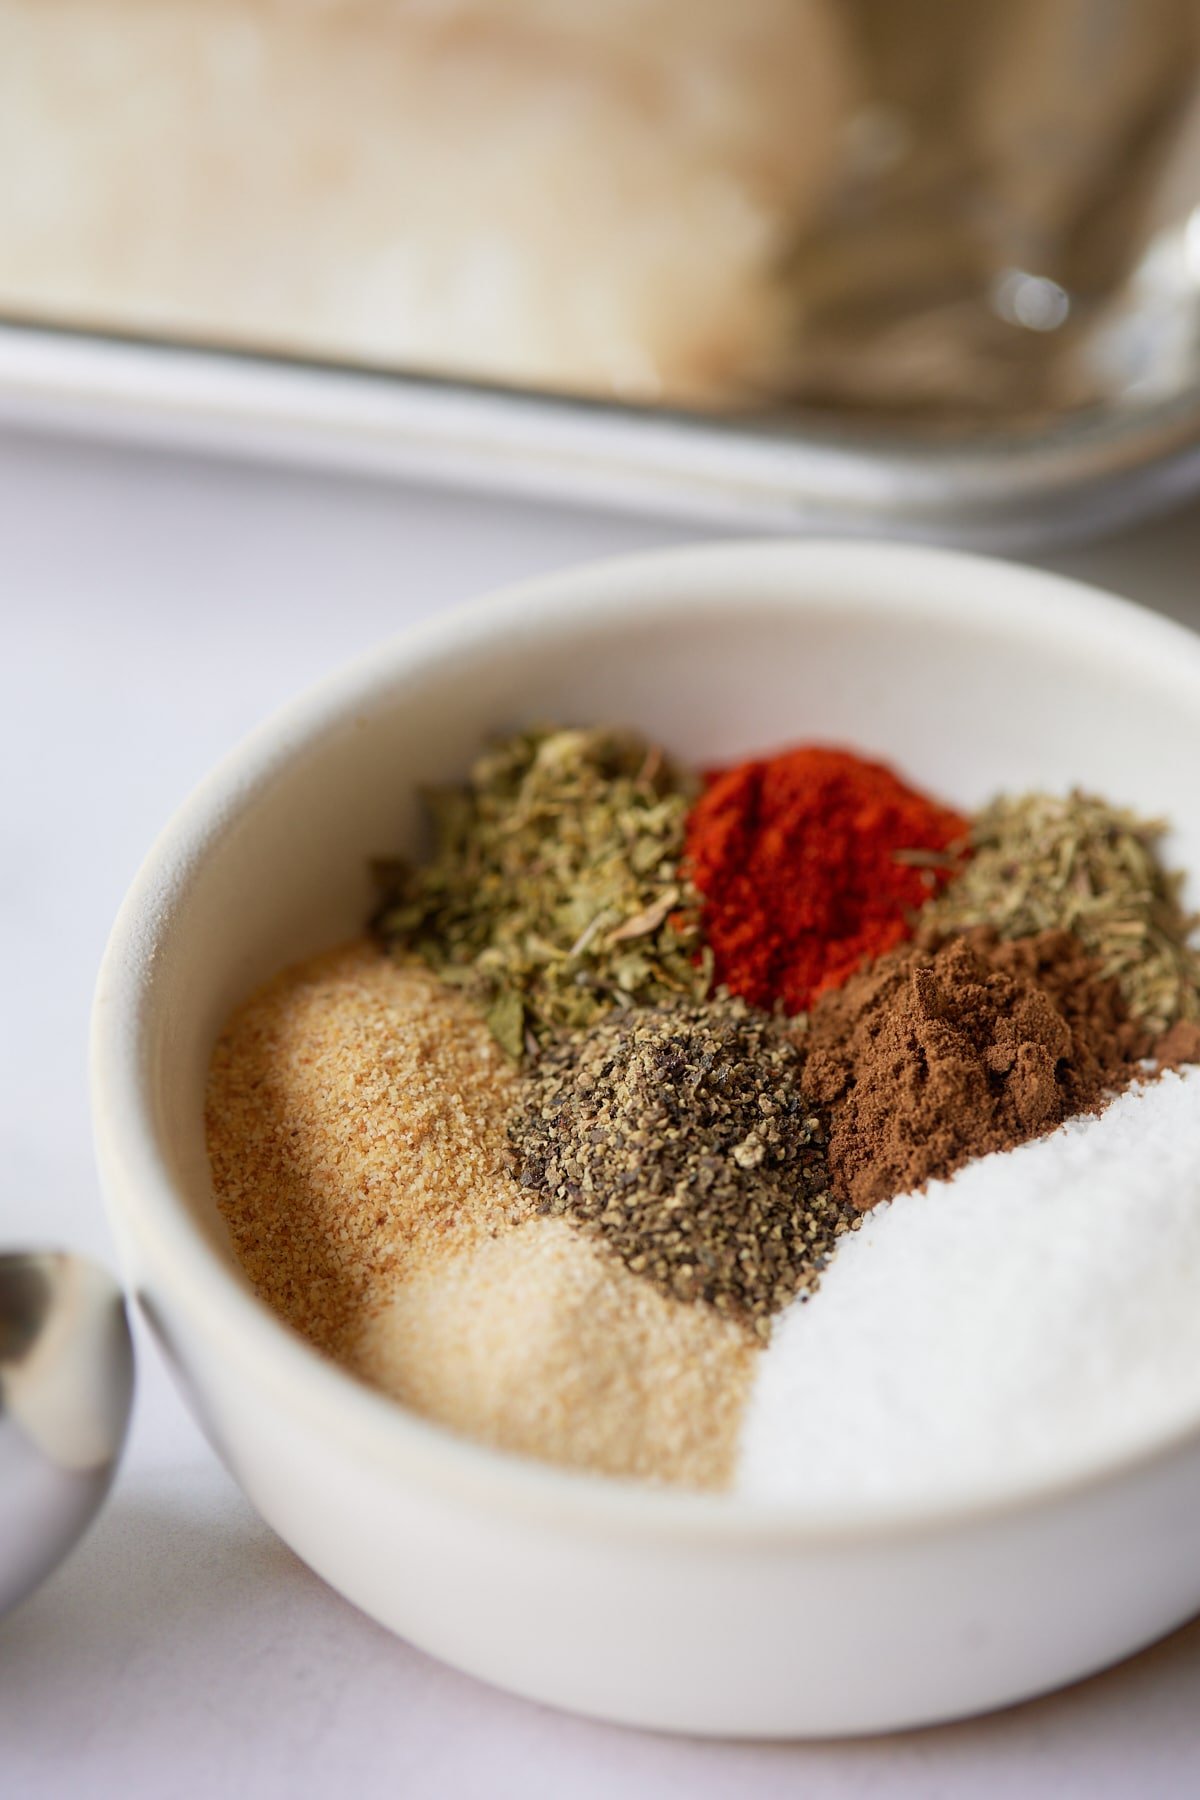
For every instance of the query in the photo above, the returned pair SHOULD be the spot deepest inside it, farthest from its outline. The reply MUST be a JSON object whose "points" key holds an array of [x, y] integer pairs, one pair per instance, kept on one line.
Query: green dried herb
{"points": [[554, 893], [679, 1135], [1043, 862]]}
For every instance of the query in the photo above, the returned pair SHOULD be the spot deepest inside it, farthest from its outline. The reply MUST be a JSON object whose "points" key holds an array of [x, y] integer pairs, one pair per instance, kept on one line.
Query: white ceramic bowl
{"points": [[686, 1611]]}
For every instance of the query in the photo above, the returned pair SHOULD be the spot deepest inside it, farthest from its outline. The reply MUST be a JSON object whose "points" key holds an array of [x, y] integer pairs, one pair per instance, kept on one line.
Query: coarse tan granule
{"points": [[542, 1341], [356, 1132], [355, 1121]]}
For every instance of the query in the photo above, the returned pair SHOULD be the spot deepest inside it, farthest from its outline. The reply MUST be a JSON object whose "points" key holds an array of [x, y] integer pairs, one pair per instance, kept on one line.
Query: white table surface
{"points": [[154, 609]]}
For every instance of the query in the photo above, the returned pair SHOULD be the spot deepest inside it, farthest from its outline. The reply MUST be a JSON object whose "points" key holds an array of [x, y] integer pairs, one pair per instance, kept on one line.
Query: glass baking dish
{"points": [[912, 270]]}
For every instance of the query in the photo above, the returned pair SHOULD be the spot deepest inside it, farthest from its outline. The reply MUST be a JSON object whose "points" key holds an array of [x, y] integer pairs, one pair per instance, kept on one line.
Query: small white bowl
{"points": [[686, 1611]]}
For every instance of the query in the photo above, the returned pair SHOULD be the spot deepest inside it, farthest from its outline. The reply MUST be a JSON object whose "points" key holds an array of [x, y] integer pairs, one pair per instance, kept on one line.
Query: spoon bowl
{"points": [[66, 1385]]}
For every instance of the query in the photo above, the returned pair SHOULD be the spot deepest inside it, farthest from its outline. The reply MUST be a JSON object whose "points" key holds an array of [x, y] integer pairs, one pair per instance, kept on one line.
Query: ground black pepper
{"points": [[680, 1136]]}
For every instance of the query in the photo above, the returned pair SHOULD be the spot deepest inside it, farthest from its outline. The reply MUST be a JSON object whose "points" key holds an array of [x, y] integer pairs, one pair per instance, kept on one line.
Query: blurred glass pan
{"points": [[926, 267]]}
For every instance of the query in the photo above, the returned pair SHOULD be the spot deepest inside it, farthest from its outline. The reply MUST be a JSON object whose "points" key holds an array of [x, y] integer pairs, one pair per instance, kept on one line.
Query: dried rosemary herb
{"points": [[554, 892], [1044, 863], [680, 1136]]}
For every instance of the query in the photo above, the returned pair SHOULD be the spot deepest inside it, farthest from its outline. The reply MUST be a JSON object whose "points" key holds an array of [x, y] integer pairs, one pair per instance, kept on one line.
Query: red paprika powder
{"points": [[795, 857]]}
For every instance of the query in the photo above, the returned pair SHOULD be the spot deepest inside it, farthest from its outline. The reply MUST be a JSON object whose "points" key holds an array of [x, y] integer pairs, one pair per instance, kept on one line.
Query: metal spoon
{"points": [[66, 1383]]}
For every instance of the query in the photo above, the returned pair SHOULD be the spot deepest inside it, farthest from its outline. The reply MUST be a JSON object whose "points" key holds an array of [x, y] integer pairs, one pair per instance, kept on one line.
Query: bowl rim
{"points": [[144, 1206]]}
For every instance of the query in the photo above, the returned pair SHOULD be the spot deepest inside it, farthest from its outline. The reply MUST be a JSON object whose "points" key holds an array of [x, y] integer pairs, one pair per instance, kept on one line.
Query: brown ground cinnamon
{"points": [[937, 1054]]}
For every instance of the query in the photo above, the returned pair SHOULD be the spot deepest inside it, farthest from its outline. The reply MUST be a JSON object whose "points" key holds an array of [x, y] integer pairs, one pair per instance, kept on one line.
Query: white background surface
{"points": [[154, 609]]}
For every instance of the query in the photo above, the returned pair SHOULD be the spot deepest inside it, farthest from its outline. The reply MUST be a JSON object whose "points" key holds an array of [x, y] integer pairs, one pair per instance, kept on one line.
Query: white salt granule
{"points": [[1038, 1313]]}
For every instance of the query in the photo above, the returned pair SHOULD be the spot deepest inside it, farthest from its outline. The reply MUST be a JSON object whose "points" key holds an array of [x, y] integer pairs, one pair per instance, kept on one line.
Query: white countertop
{"points": [[154, 609]]}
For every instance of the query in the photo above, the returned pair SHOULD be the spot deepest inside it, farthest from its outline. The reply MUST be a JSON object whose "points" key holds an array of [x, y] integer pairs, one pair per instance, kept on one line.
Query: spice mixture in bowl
{"points": [[713, 1038]]}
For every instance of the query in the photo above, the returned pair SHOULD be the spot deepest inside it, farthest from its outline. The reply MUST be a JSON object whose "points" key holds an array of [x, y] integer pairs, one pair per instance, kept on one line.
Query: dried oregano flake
{"points": [[1043, 862], [554, 893], [679, 1136]]}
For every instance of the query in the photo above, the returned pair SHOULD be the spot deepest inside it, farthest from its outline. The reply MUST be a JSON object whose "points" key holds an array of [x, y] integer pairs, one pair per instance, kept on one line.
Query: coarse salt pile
{"points": [[1039, 1310]]}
